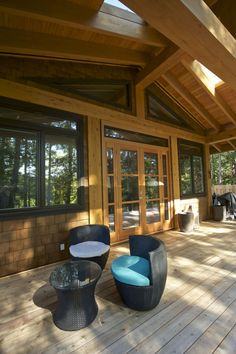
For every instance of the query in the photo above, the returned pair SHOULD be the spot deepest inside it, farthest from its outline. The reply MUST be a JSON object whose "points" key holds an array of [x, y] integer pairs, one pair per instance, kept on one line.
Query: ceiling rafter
{"points": [[225, 135], [93, 4], [216, 147], [198, 126], [158, 66], [195, 69], [207, 40], [232, 144], [83, 18], [191, 100], [40, 44]]}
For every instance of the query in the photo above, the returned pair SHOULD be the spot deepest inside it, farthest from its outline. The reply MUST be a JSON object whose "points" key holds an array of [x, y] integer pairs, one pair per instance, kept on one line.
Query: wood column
{"points": [[208, 179], [140, 102], [175, 177], [95, 171]]}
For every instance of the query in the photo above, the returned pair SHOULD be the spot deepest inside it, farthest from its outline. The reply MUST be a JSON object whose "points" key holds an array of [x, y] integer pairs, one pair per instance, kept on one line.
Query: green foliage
{"points": [[223, 168], [21, 173]]}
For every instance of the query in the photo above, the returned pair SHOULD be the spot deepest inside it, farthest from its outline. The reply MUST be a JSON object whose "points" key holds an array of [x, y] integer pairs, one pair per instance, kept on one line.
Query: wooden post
{"points": [[95, 171], [140, 102], [208, 180], [176, 177]]}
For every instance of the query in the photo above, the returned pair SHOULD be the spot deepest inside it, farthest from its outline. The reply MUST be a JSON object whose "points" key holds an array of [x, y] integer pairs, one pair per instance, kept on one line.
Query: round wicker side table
{"points": [[75, 284]]}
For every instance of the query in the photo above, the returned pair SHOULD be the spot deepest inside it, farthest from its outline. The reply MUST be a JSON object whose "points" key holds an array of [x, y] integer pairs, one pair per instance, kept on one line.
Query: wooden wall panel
{"points": [[31, 242]]}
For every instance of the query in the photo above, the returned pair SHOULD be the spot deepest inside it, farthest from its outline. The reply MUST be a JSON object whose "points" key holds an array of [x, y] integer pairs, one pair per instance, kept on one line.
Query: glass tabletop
{"points": [[75, 274]]}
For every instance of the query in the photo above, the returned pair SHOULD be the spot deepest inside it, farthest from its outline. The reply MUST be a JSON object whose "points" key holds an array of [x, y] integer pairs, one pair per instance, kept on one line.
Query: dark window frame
{"points": [[175, 121], [135, 137], [192, 194], [68, 86], [41, 131]]}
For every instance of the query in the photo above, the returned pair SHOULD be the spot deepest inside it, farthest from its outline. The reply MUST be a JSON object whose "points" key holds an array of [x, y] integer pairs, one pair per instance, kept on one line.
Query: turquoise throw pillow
{"points": [[132, 270]]}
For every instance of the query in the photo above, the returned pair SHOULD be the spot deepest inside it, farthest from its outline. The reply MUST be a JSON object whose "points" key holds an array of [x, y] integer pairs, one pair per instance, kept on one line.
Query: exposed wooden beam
{"points": [[93, 4], [192, 26], [226, 135], [210, 2], [47, 98], [194, 67], [199, 126], [44, 45], [158, 66], [225, 10], [191, 100], [181, 111], [82, 18], [233, 145], [121, 13], [216, 147]]}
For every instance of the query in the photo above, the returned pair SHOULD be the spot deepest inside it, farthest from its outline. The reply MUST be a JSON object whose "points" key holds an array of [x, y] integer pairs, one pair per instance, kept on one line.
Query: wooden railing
{"points": [[221, 189]]}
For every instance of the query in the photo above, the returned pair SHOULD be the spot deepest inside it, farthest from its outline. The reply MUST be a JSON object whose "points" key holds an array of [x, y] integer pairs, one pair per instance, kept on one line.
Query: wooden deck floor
{"points": [[197, 313]]}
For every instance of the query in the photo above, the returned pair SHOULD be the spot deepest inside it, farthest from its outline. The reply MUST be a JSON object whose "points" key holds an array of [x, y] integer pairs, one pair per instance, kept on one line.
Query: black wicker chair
{"points": [[146, 297], [93, 232]]}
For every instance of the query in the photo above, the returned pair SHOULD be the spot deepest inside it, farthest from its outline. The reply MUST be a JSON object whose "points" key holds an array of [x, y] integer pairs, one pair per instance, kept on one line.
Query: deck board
{"points": [[196, 313]]}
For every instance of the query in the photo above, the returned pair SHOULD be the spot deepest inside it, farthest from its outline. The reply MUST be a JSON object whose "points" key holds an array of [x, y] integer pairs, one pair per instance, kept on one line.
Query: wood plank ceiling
{"points": [[162, 42]]}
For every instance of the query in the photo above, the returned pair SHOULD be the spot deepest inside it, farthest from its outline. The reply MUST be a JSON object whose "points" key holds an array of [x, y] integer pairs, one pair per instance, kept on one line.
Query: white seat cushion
{"points": [[88, 249]]}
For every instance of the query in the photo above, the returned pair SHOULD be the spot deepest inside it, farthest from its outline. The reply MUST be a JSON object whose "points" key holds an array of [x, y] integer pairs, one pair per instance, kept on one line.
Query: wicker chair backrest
{"points": [[153, 250], [93, 232]]}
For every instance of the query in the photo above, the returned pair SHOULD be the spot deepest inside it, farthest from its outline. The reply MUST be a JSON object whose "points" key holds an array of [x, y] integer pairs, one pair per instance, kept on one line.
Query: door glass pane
{"points": [[129, 188], [110, 183], [130, 215], [129, 161], [152, 187], [166, 206], [152, 212], [111, 216], [165, 180], [150, 163], [109, 161], [198, 180]]}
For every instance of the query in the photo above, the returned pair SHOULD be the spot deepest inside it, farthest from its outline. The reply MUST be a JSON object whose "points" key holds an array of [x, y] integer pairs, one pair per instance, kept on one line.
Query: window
{"points": [[112, 93], [41, 160], [191, 169], [161, 108], [121, 134]]}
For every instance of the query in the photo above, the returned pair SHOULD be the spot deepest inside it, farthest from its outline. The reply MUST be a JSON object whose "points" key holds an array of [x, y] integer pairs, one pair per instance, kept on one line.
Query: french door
{"points": [[137, 193]]}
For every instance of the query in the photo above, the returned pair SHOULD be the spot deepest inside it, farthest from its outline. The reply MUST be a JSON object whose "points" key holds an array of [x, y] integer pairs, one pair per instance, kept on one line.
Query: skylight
{"points": [[210, 75], [118, 4]]}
